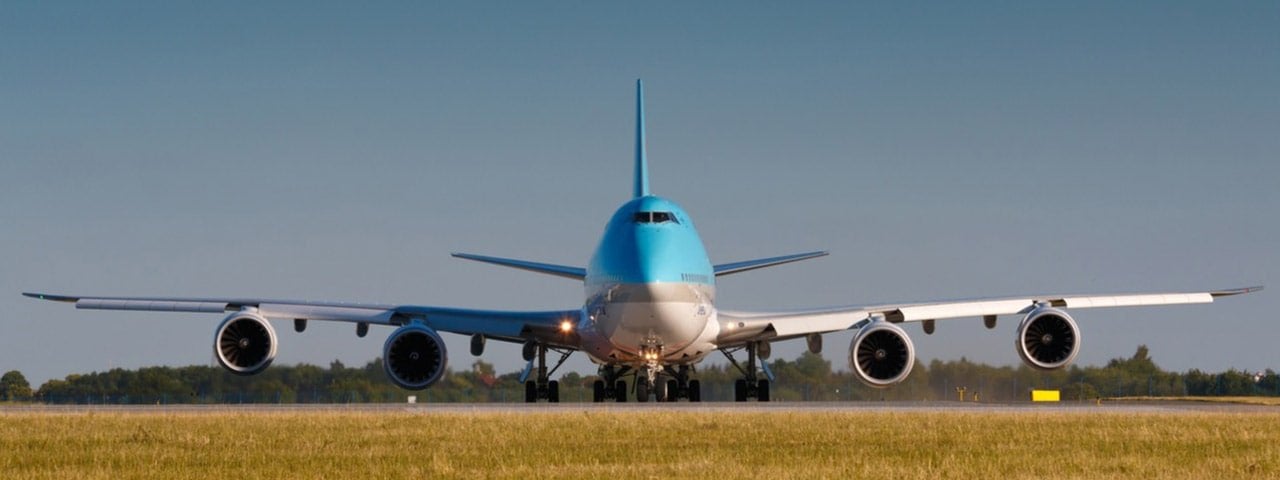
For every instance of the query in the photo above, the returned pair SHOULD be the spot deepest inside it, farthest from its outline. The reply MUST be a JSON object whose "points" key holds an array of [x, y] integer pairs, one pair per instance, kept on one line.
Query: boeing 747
{"points": [[649, 316]]}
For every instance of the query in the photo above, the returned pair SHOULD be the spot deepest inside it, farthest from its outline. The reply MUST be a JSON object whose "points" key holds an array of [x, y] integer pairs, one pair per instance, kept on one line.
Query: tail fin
{"points": [[642, 162]]}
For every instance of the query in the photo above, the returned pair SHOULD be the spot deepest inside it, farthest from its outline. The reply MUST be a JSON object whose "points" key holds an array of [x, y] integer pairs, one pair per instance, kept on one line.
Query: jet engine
{"points": [[414, 357], [881, 354], [245, 343], [1048, 339]]}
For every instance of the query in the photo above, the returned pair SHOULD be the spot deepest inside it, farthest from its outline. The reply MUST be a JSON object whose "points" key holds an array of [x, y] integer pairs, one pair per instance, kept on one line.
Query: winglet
{"points": [[642, 161], [1234, 291], [52, 298]]}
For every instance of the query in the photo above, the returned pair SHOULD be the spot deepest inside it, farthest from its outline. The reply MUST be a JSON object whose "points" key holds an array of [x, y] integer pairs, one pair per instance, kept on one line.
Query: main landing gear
{"points": [[672, 385], [542, 387], [679, 385], [610, 385], [749, 386]]}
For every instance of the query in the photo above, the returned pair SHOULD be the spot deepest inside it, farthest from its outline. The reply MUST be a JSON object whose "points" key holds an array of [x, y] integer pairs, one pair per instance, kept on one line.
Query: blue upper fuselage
{"points": [[649, 240]]}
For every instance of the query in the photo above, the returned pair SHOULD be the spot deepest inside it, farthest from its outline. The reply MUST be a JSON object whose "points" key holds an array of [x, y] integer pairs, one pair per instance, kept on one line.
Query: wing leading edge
{"points": [[514, 326], [742, 327]]}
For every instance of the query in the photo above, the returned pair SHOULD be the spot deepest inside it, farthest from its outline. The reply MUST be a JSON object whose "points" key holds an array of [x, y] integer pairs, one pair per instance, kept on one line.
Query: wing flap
{"points": [[962, 309], [151, 305], [1136, 300]]}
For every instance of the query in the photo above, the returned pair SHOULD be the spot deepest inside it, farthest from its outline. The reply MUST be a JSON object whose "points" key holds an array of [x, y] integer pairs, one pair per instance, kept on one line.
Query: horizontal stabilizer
{"points": [[728, 268], [575, 273]]}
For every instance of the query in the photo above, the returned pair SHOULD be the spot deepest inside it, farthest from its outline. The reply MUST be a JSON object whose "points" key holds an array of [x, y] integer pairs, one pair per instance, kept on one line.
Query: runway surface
{"points": [[709, 407]]}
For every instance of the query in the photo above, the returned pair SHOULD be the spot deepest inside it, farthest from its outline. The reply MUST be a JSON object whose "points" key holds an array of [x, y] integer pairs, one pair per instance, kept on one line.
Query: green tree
{"points": [[14, 387]]}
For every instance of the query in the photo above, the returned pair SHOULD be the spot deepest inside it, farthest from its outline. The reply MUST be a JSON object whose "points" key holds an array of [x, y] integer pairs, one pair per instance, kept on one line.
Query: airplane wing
{"points": [[512, 326], [575, 273], [737, 267], [739, 328]]}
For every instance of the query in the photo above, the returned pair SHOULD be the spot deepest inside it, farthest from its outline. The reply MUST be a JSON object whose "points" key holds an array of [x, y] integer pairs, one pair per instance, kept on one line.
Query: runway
{"points": [[1170, 407]]}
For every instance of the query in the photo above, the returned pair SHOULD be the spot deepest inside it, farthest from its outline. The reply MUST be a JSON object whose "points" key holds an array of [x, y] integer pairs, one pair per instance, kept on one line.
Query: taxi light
{"points": [[566, 326]]}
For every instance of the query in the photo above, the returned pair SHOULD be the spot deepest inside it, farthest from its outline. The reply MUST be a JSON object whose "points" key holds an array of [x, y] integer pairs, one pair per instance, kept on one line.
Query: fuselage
{"points": [[650, 289]]}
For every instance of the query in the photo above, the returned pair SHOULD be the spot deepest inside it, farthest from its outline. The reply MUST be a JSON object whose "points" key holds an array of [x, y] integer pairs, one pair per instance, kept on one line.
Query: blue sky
{"points": [[341, 151]]}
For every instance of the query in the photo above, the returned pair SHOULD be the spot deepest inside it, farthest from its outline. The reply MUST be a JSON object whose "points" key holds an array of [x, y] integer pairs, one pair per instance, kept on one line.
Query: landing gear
{"points": [[680, 386], [542, 387], [597, 391], [669, 386], [610, 386], [672, 385], [750, 385]]}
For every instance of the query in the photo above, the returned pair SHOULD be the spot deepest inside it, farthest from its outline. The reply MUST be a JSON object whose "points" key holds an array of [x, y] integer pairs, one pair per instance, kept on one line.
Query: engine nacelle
{"points": [[245, 343], [1048, 339], [881, 354], [414, 357]]}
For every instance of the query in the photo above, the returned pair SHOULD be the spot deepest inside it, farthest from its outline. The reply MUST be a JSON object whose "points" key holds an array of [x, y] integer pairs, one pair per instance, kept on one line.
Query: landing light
{"points": [[566, 326]]}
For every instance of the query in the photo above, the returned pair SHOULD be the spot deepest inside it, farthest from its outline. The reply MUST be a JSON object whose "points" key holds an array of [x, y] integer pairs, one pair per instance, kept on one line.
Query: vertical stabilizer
{"points": [[642, 162]]}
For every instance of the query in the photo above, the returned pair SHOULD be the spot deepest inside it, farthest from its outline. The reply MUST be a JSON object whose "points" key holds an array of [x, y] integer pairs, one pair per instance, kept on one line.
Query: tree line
{"points": [[807, 378]]}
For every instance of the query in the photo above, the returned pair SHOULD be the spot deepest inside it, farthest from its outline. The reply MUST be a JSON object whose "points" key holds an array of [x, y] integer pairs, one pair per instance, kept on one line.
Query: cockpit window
{"points": [[654, 217]]}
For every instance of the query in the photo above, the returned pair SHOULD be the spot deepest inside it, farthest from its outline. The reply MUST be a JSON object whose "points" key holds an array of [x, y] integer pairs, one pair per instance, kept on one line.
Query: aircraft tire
{"points": [[620, 391], [597, 391], [530, 392], [762, 391], [740, 390], [695, 391], [553, 391], [642, 391]]}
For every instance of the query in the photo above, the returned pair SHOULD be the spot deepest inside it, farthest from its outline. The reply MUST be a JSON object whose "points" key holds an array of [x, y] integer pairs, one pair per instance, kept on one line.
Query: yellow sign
{"points": [[1044, 395]]}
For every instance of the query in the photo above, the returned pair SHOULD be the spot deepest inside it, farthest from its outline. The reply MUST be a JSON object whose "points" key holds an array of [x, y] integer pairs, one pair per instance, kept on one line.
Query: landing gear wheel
{"points": [[642, 391], [553, 391], [740, 390], [620, 391], [530, 392], [660, 391], [597, 391], [762, 391], [695, 391], [673, 391]]}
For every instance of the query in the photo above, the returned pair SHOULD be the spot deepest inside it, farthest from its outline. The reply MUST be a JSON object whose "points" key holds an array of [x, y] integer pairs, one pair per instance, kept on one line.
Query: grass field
{"points": [[638, 444]]}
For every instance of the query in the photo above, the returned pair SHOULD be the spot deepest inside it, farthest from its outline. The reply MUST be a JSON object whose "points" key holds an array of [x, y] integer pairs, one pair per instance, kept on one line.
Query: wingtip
{"points": [[54, 298], [1236, 291]]}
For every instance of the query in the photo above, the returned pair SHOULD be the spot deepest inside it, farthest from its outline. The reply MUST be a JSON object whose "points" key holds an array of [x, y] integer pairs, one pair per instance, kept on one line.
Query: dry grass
{"points": [[638, 444]]}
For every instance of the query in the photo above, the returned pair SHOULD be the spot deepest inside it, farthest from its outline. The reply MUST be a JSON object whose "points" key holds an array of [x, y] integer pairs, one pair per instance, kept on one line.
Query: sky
{"points": [[340, 151]]}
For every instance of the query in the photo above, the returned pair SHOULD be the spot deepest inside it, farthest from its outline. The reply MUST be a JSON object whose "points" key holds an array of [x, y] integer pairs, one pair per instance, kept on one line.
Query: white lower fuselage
{"points": [[674, 323]]}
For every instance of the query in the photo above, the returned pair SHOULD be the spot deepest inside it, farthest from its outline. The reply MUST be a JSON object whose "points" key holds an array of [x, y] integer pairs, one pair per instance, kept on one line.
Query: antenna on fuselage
{"points": [[642, 162]]}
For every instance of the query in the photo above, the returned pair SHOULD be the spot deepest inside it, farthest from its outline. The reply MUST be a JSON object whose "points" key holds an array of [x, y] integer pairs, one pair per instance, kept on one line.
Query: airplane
{"points": [[649, 314]]}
